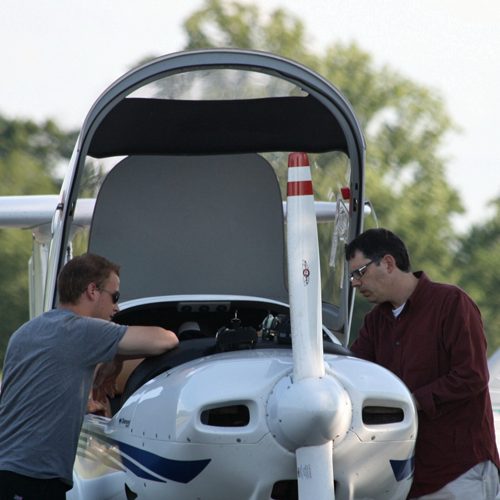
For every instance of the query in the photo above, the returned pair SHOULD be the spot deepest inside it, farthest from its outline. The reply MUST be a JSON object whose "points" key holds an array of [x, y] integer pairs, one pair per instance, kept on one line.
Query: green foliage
{"points": [[405, 125], [15, 252], [478, 262], [29, 155], [404, 122], [45, 143], [220, 24]]}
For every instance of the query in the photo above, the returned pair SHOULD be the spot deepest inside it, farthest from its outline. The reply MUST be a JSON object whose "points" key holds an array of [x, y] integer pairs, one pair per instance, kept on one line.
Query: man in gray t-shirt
{"points": [[47, 378]]}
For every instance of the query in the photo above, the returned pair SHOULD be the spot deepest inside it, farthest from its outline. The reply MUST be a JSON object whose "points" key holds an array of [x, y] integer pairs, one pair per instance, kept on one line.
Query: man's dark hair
{"points": [[376, 243], [79, 272]]}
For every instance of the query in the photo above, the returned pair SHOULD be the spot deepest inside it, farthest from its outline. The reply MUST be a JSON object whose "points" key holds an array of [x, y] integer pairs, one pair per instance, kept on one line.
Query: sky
{"points": [[56, 58]]}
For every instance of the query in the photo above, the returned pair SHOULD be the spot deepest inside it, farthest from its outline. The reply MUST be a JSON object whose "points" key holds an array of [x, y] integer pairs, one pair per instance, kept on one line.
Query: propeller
{"points": [[315, 409], [304, 280]]}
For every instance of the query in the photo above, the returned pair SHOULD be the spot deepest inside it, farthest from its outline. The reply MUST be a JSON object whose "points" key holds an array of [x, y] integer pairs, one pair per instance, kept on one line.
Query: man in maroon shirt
{"points": [[431, 336]]}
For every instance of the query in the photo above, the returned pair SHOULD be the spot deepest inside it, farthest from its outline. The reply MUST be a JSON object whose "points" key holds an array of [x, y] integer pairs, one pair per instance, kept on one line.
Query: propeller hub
{"points": [[310, 412]]}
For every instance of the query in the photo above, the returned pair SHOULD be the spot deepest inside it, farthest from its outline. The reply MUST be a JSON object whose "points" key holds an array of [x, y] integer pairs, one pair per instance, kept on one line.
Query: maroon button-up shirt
{"points": [[437, 347]]}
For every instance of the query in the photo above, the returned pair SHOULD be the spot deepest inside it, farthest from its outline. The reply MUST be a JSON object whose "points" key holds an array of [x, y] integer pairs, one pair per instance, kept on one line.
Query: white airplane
{"points": [[179, 174]]}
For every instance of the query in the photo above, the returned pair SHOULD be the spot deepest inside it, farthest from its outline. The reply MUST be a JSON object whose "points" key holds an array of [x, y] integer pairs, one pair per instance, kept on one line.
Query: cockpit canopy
{"points": [[186, 158]]}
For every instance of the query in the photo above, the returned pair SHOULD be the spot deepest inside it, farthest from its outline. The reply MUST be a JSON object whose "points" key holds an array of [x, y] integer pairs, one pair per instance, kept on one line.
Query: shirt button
{"points": [[397, 343]]}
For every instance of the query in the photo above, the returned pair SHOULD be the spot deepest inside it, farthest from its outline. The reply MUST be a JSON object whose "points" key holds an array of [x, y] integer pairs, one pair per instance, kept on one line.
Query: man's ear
{"points": [[89, 292], [390, 263]]}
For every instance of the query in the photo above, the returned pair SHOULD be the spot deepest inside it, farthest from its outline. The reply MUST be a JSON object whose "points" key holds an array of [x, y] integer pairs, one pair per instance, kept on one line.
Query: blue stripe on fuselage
{"points": [[181, 471], [403, 468]]}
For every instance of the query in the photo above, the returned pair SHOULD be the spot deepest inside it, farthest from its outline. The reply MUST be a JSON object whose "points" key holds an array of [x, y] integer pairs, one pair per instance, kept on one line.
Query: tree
{"points": [[236, 25], [478, 260], [29, 155], [405, 124], [46, 144]]}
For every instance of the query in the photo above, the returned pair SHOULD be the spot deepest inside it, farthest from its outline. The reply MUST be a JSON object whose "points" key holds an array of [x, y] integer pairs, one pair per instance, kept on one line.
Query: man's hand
{"points": [[96, 408], [104, 385]]}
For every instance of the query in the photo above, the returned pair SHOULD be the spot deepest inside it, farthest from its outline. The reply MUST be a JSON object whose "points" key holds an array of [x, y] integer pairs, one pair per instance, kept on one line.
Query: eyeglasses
{"points": [[114, 295], [358, 273]]}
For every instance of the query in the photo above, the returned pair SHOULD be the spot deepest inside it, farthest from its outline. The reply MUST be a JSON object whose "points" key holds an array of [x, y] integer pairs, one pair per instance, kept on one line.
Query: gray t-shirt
{"points": [[47, 377]]}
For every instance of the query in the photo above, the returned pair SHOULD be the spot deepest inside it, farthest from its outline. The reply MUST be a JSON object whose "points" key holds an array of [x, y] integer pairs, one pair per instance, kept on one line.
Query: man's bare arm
{"points": [[144, 341], [138, 342]]}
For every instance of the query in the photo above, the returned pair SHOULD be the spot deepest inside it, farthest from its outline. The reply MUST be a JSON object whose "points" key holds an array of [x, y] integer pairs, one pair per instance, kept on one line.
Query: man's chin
{"points": [[369, 298]]}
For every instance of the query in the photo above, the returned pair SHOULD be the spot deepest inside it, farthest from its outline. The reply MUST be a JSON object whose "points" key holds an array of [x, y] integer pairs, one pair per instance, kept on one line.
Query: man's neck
{"points": [[406, 285], [79, 309]]}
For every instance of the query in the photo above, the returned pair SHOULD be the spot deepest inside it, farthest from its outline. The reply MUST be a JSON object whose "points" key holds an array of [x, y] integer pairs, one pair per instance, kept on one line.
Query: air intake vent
{"points": [[226, 416], [287, 490], [380, 415]]}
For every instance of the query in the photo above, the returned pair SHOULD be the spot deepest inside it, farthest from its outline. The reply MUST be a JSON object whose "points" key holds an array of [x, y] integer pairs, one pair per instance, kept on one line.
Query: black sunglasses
{"points": [[114, 295]]}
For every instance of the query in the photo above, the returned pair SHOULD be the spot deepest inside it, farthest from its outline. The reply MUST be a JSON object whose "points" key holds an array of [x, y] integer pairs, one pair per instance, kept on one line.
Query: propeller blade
{"points": [[315, 472], [315, 461], [304, 279]]}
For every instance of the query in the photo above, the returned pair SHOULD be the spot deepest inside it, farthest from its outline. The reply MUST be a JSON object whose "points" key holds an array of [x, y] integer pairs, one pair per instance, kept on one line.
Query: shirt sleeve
{"points": [[463, 356], [91, 341]]}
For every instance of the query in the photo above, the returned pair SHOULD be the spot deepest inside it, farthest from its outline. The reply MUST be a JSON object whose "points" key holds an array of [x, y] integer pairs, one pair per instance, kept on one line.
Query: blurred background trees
{"points": [[29, 156], [405, 125]]}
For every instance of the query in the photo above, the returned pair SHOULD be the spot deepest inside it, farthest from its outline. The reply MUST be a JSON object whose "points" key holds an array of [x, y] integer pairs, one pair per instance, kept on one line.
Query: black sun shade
{"points": [[137, 126]]}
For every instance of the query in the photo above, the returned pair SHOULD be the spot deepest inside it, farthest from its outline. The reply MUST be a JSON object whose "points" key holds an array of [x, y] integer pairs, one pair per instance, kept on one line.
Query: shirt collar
{"points": [[423, 281]]}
